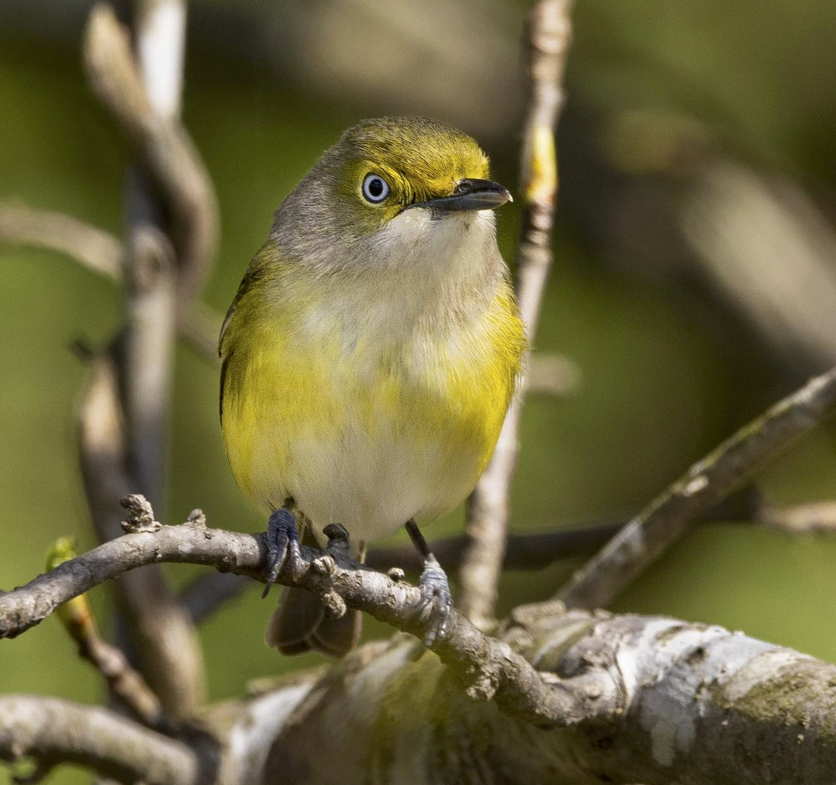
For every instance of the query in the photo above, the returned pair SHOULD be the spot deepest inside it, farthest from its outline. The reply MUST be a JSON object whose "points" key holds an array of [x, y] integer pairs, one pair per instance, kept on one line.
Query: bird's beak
{"points": [[470, 195]]}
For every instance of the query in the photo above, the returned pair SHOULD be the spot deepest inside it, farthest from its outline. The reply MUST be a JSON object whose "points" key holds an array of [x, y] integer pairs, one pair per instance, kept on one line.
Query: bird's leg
{"points": [[282, 547], [435, 588]]}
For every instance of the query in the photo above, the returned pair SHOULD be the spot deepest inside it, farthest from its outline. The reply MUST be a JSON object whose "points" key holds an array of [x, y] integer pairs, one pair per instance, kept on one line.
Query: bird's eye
{"points": [[375, 188]]}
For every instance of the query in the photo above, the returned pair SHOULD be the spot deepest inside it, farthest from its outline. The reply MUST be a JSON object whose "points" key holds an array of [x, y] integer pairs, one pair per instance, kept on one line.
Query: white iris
{"points": [[375, 188]]}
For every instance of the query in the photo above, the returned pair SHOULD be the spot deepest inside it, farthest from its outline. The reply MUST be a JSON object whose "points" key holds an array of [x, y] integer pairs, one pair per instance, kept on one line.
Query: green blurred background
{"points": [[665, 100]]}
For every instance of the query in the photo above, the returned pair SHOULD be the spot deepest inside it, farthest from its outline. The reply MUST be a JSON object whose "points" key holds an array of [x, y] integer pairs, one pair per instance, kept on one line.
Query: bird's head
{"points": [[386, 178]]}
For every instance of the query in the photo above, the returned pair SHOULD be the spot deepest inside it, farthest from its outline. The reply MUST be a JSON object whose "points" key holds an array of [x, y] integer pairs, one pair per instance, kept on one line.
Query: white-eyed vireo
{"points": [[370, 354]]}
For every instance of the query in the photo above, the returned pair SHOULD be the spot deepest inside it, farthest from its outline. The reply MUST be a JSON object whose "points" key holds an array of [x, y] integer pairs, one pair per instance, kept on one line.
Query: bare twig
{"points": [[151, 269], [486, 668], [163, 147], [144, 100], [534, 551], [210, 591], [93, 248], [103, 253], [549, 30], [124, 683], [53, 731], [159, 627], [705, 484]]}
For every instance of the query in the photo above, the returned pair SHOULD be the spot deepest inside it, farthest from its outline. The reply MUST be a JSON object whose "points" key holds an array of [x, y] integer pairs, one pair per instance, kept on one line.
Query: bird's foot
{"points": [[282, 547], [435, 591]]}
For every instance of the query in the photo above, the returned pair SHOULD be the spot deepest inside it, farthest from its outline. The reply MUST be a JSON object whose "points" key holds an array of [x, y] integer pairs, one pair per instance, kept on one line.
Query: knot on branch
{"points": [[197, 518], [487, 678], [325, 565], [140, 514], [334, 605]]}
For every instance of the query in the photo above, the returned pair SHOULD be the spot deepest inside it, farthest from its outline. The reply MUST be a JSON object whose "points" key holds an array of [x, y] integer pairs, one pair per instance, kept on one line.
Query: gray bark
{"points": [[703, 705]]}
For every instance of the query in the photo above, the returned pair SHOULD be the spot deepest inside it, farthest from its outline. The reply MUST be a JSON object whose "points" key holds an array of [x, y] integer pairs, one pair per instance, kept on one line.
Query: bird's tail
{"points": [[300, 624]]}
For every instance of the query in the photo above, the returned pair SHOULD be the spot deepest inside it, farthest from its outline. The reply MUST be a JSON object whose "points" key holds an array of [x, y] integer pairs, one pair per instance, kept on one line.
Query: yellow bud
{"points": [[543, 182], [75, 614]]}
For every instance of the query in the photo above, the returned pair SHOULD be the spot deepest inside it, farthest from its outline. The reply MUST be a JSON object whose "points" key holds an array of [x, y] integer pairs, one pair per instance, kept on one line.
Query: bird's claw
{"points": [[435, 592], [282, 547]]}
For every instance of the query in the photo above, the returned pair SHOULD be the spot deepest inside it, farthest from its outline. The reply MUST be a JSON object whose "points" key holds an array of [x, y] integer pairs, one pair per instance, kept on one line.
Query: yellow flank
{"points": [[350, 424]]}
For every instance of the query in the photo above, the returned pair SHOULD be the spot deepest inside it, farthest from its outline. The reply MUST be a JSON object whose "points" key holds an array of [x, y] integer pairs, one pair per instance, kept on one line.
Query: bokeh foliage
{"points": [[666, 373]]}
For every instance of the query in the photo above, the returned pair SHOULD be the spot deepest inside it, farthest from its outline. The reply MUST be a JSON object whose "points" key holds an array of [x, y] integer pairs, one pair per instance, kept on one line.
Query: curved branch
{"points": [[704, 485], [157, 626], [486, 668], [55, 731], [92, 247], [536, 550], [165, 150], [172, 223]]}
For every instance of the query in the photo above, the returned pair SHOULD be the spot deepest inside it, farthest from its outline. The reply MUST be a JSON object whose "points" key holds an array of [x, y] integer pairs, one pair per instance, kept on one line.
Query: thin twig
{"points": [[159, 628], [704, 485], [163, 147], [103, 253], [93, 248], [549, 30], [487, 668], [53, 731], [534, 551], [124, 683]]}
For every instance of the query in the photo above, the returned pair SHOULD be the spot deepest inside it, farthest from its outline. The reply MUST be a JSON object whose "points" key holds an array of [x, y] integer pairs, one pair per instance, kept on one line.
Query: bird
{"points": [[369, 357]]}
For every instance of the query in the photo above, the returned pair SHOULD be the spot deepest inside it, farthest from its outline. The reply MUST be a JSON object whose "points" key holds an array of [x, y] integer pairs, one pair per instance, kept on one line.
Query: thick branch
{"points": [[53, 731], [704, 485], [549, 30], [703, 706], [486, 668]]}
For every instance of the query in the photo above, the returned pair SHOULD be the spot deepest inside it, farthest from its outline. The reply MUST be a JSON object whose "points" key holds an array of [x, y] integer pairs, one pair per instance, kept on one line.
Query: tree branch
{"points": [[91, 247], [549, 30], [170, 196], [486, 668], [158, 627], [124, 683], [702, 706], [165, 151], [536, 550], [55, 731], [704, 485]]}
